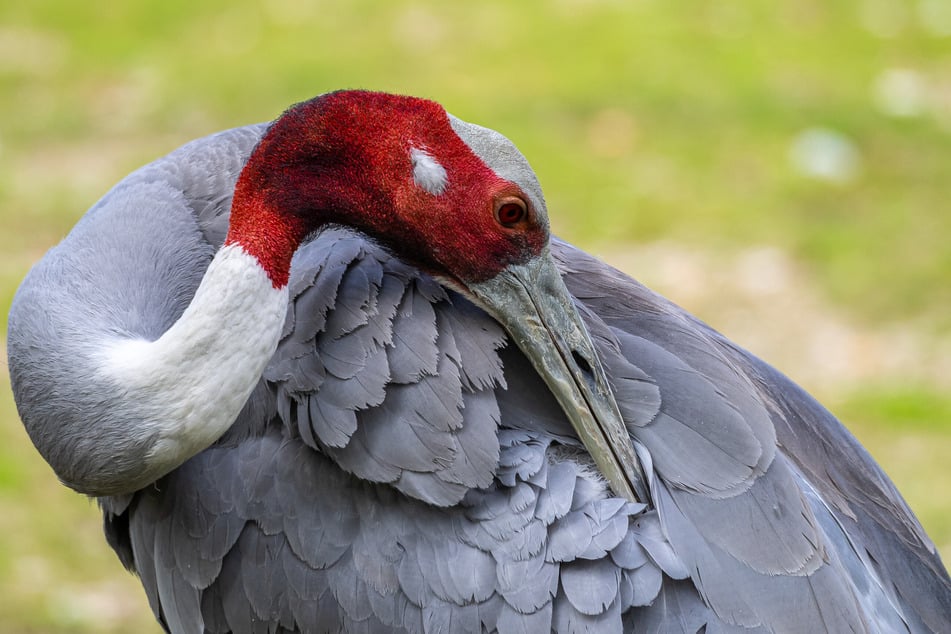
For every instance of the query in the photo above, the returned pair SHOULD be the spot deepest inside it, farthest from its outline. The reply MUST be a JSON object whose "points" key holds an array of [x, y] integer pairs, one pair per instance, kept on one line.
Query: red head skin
{"points": [[345, 158]]}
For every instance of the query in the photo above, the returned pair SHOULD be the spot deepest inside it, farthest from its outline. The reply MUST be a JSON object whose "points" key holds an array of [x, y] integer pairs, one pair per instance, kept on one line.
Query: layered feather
{"points": [[398, 470]]}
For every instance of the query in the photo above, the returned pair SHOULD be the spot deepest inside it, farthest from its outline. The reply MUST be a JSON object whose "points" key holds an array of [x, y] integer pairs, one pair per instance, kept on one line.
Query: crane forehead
{"points": [[501, 156]]}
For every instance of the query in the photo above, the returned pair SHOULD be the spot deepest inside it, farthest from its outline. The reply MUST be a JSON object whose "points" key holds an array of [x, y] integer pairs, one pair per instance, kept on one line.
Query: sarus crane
{"points": [[333, 374]]}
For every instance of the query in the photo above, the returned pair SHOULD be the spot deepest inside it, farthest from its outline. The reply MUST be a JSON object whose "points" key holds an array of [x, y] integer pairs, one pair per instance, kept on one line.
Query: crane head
{"points": [[457, 200]]}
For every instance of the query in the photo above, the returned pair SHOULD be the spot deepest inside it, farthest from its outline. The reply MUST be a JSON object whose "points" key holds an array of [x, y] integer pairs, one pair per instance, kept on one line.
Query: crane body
{"points": [[325, 426]]}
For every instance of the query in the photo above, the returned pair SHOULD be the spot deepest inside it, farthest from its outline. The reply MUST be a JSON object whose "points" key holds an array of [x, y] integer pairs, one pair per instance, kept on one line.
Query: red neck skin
{"points": [[278, 201], [269, 236]]}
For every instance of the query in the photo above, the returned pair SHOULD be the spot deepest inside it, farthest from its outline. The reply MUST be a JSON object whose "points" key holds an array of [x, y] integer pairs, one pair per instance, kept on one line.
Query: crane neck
{"points": [[263, 232], [189, 385]]}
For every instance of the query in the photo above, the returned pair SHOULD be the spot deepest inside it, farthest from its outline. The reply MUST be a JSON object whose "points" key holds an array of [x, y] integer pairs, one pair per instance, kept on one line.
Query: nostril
{"points": [[581, 361]]}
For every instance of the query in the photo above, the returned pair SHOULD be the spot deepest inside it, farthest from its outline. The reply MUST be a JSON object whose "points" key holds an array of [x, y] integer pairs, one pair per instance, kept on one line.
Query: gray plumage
{"points": [[401, 467]]}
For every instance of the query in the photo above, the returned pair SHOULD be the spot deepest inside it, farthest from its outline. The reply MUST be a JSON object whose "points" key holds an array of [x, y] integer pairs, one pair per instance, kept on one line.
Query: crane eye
{"points": [[511, 211]]}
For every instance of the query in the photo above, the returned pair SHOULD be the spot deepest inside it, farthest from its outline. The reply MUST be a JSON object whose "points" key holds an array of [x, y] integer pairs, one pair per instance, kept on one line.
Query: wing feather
{"points": [[401, 469], [744, 524]]}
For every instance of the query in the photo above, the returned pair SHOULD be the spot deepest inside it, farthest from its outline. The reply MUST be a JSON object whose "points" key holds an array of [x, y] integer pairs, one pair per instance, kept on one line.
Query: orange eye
{"points": [[511, 211]]}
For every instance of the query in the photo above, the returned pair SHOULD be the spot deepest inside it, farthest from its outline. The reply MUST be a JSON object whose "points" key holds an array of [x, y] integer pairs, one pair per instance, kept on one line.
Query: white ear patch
{"points": [[427, 172]]}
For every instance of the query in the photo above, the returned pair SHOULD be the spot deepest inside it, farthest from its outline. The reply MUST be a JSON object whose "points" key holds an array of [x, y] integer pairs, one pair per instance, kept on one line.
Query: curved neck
{"points": [[263, 232], [190, 384]]}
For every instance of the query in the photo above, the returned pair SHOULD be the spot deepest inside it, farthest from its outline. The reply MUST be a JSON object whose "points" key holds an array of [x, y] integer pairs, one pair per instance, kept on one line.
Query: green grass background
{"points": [[650, 123]]}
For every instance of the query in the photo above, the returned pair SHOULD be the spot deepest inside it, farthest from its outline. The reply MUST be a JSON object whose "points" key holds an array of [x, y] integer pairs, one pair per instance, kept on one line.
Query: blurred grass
{"points": [[648, 122]]}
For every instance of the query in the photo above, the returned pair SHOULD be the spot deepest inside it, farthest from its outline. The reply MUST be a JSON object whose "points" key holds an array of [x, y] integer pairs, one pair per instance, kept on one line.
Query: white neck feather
{"points": [[192, 382]]}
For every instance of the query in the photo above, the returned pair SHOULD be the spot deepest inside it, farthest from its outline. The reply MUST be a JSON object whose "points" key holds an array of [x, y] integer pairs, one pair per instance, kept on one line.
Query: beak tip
{"points": [[534, 306]]}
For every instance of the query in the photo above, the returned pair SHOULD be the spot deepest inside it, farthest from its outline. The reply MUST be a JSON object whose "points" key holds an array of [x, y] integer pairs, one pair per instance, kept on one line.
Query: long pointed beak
{"points": [[533, 305]]}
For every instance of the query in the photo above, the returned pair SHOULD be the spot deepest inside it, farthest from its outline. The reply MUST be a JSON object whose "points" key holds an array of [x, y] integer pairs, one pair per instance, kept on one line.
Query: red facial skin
{"points": [[344, 158]]}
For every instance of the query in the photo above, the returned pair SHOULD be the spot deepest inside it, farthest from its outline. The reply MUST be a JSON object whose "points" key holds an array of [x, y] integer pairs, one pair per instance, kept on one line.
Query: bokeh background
{"points": [[781, 168]]}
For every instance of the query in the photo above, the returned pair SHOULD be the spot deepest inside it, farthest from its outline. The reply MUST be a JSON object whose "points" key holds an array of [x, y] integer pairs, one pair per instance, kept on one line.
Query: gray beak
{"points": [[533, 305]]}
